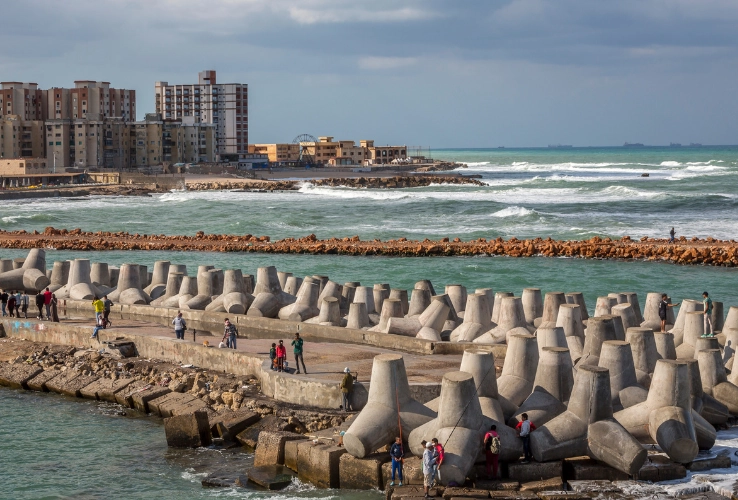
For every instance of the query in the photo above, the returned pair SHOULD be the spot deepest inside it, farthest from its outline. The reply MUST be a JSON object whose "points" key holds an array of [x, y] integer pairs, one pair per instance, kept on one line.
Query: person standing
{"points": [[347, 388], [273, 357], [99, 308], [396, 454], [439, 455], [18, 304], [4, 302], [429, 468], [40, 304], [297, 344], [24, 304], [281, 355], [180, 325], [54, 309], [230, 333], [707, 314], [492, 451], [107, 304], [47, 303], [524, 428], [663, 307], [11, 304], [672, 235]]}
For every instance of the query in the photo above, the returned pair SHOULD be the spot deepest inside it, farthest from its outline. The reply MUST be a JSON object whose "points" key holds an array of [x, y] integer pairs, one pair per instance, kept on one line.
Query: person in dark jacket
{"points": [[40, 304], [396, 453]]}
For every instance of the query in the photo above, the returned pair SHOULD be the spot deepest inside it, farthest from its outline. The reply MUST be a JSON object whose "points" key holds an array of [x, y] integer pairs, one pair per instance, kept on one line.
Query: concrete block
{"points": [[534, 471], [169, 399], [105, 389], [587, 469], [125, 396], [412, 471], [229, 429], [362, 473], [319, 464], [491, 485], [407, 492], [141, 398], [250, 436], [271, 477], [224, 480], [563, 495], [596, 486], [457, 492], [188, 431], [512, 495], [58, 384], [38, 383], [270, 447], [660, 468], [74, 387], [290, 454], [718, 462], [16, 376], [551, 484]]}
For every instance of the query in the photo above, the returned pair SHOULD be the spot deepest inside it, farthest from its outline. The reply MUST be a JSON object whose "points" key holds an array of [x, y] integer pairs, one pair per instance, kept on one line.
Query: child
{"points": [[273, 356]]}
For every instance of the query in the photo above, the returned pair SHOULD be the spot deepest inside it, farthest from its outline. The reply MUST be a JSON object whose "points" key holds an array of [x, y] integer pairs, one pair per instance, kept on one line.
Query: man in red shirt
{"points": [[47, 303], [281, 355], [524, 428], [439, 453]]}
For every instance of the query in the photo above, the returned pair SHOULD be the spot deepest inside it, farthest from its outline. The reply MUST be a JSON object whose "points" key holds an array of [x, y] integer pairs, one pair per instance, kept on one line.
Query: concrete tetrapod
{"points": [[587, 427], [174, 283], [511, 321], [551, 304], [381, 292], [420, 299], [693, 328], [496, 306], [6, 265], [366, 295], [551, 388], [627, 315], [358, 318], [322, 280], [645, 354], [731, 320], [490, 294], [477, 319], [205, 291], [553, 336], [330, 313], [292, 285], [18, 263], [187, 291], [570, 319], [604, 305], [729, 348], [330, 289], [532, 304], [388, 407], [79, 286], [282, 277], [59, 275], [129, 289], [426, 326], [267, 281], [391, 308], [29, 280], [114, 275], [665, 345], [632, 299], [599, 330], [616, 356], [347, 296], [159, 278], [401, 295], [518, 372], [143, 276], [453, 320], [306, 305], [666, 415], [718, 316], [712, 410], [459, 427], [458, 295], [621, 298], [235, 299], [715, 381], [578, 299], [426, 285], [687, 306]]}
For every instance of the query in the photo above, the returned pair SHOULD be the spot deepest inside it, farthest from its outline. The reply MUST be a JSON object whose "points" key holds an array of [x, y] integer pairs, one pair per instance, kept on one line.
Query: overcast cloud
{"points": [[461, 73]]}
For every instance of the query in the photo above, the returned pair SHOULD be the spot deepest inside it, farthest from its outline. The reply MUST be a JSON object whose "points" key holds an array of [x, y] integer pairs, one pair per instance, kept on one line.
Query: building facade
{"points": [[21, 138], [24, 100], [224, 105], [277, 153]]}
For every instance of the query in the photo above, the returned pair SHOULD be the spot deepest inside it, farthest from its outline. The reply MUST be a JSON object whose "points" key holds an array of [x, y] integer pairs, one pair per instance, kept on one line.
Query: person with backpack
{"points": [[230, 334], [273, 357], [396, 454], [524, 428], [492, 451], [180, 325]]}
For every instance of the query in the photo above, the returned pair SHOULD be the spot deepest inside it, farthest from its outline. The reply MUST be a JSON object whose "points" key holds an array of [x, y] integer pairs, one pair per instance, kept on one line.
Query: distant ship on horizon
{"points": [[675, 145], [633, 145], [560, 146]]}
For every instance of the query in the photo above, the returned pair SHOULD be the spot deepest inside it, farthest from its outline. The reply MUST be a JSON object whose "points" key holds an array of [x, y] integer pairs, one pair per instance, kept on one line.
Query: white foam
{"points": [[670, 164], [513, 211]]}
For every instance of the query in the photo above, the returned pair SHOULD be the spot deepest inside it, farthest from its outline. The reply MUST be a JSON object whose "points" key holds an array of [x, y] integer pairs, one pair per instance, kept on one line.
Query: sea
{"points": [[58, 448]]}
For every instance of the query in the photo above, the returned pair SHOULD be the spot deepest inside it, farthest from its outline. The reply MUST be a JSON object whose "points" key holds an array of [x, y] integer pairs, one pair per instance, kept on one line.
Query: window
{"points": [[58, 143], [51, 143]]}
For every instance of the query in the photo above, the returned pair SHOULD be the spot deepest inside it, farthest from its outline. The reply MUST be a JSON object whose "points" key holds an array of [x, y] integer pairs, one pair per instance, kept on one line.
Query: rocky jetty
{"points": [[696, 251], [396, 182], [247, 185]]}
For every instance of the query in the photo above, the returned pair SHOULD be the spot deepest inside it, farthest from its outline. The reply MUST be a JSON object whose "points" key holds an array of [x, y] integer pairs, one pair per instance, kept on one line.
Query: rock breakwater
{"points": [[696, 251], [396, 182]]}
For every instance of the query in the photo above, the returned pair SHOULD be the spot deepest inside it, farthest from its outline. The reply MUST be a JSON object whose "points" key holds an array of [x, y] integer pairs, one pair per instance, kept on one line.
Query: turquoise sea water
{"points": [[571, 193]]}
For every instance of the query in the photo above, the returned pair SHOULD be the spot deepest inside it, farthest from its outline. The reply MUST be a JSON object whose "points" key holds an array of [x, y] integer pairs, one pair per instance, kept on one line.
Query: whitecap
{"points": [[476, 163], [513, 211], [670, 164]]}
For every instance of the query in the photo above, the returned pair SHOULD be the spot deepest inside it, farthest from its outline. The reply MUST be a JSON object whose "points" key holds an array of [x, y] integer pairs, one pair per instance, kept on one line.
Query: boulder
{"points": [[188, 431]]}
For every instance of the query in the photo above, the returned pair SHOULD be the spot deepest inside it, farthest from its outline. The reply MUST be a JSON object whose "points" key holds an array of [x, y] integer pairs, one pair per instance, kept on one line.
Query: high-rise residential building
{"points": [[24, 100], [21, 138], [225, 105], [90, 99]]}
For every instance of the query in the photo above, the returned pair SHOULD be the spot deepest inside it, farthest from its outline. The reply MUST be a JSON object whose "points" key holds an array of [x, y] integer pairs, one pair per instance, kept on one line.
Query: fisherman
{"points": [[707, 314], [663, 306], [429, 468], [672, 234], [439, 455], [347, 388], [396, 453]]}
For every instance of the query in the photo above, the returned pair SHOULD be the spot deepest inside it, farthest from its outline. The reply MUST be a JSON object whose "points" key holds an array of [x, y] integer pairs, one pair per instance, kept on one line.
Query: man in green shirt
{"points": [[297, 344], [347, 387], [707, 314]]}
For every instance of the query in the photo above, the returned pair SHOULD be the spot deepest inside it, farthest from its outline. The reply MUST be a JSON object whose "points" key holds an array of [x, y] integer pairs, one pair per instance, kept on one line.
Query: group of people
{"points": [[15, 303], [278, 355], [102, 314], [707, 308]]}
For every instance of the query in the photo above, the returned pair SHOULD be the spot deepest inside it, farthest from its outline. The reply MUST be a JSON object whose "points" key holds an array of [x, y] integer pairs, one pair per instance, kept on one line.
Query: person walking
{"points": [[4, 302], [54, 310], [230, 333], [663, 307], [524, 428], [40, 304], [107, 305], [18, 304], [273, 357], [297, 344], [672, 235], [396, 454], [429, 468], [347, 389], [492, 451], [47, 303], [11, 304], [24, 304], [180, 325], [281, 355], [707, 314], [99, 308]]}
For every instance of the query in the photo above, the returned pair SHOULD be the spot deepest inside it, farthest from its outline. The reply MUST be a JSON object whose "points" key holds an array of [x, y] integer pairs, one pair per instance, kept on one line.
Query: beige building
{"points": [[21, 138], [23, 166], [277, 153], [224, 105], [328, 151], [188, 142], [24, 100], [383, 154], [89, 99]]}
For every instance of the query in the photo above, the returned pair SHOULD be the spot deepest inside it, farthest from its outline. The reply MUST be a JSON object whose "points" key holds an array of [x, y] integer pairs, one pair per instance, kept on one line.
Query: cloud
{"points": [[386, 63], [333, 14]]}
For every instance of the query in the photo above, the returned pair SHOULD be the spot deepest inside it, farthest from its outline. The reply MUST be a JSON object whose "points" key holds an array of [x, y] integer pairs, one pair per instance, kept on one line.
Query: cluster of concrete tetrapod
{"points": [[600, 386]]}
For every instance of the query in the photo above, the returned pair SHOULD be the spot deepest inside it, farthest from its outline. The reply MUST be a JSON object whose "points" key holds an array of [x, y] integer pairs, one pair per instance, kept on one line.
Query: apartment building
{"points": [[224, 105], [383, 154], [24, 100], [89, 99], [21, 138], [188, 142], [277, 153], [328, 151]]}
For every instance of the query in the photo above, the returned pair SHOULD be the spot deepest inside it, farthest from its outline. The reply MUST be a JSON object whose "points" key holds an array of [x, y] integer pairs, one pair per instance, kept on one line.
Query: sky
{"points": [[456, 73]]}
